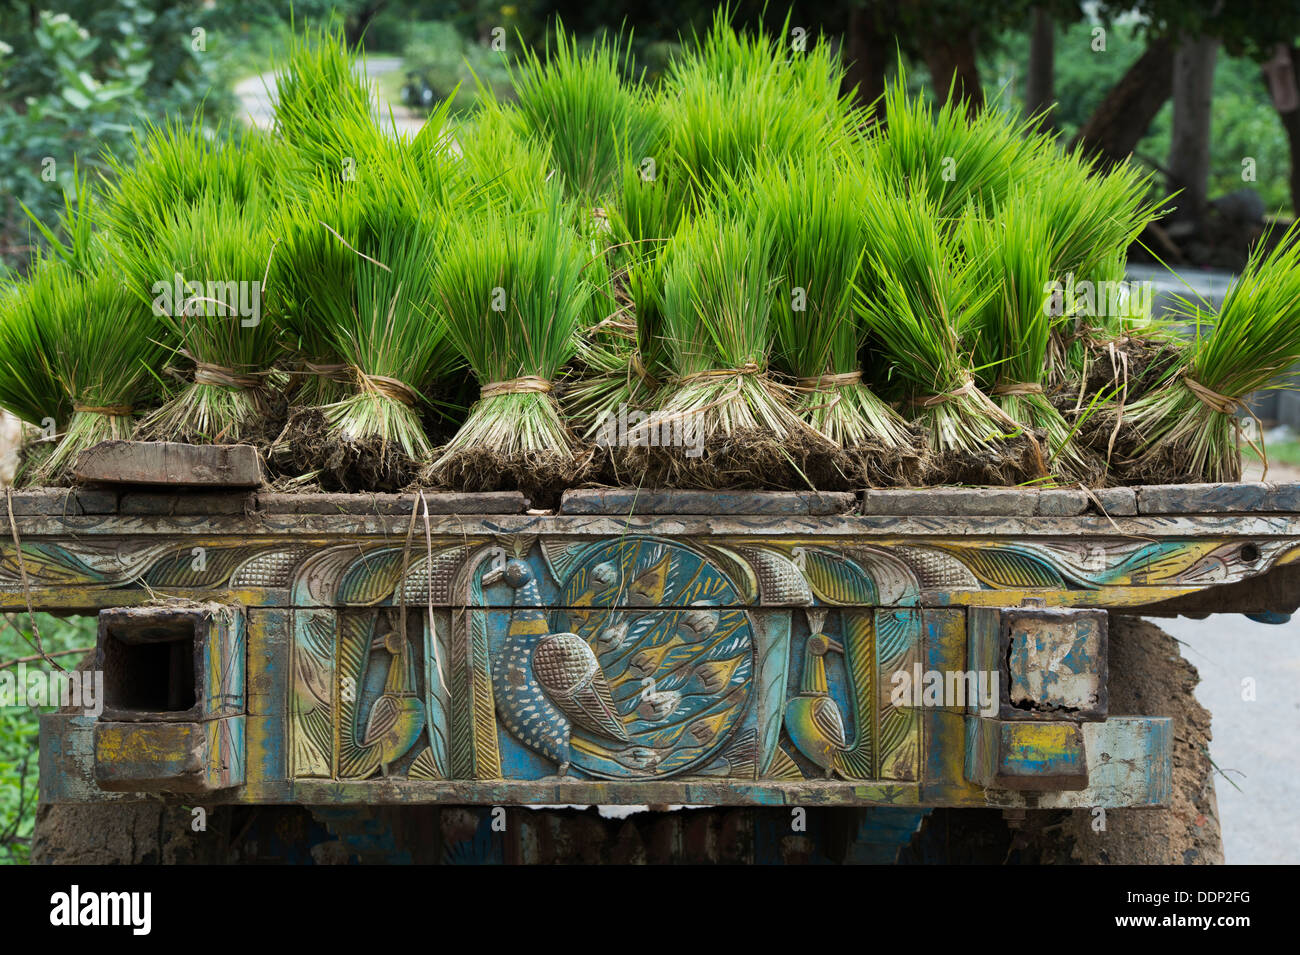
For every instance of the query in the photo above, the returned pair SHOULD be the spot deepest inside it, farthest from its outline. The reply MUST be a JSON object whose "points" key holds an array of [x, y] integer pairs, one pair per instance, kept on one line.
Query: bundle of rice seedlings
{"points": [[1095, 215], [912, 294], [951, 159], [735, 98], [1011, 329], [620, 361], [586, 108], [512, 294], [323, 100], [29, 388], [1188, 430], [360, 282], [203, 269], [500, 166], [102, 346], [722, 420], [177, 164], [813, 211]]}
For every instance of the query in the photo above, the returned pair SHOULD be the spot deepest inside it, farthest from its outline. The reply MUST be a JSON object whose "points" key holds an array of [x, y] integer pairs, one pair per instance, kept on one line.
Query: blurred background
{"points": [[1202, 92]]}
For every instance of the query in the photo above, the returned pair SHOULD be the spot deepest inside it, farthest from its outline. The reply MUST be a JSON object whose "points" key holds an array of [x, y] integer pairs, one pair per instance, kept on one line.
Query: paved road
{"points": [[1256, 742], [257, 95]]}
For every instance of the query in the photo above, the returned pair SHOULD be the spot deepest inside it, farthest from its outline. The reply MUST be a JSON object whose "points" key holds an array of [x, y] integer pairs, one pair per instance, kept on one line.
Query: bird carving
{"points": [[812, 718], [655, 706], [546, 683], [397, 717]]}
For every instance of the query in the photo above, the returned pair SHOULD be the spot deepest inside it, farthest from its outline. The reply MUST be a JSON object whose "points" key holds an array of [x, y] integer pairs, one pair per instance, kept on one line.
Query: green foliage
{"points": [[513, 294], [74, 80], [584, 106], [1255, 337], [19, 726]]}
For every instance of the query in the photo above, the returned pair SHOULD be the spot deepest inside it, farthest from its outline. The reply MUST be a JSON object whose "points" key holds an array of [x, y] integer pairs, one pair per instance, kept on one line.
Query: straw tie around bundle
{"points": [[526, 384], [117, 411], [749, 368], [1017, 388], [331, 372], [1212, 399], [206, 374], [945, 397], [386, 387], [827, 383]]}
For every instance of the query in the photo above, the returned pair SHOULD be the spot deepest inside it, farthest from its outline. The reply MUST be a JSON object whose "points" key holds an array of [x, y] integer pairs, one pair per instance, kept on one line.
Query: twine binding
{"points": [[526, 384]]}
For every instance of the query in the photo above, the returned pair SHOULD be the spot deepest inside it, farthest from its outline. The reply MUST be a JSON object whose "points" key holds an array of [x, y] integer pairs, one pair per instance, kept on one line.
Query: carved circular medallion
{"points": [[678, 658]]}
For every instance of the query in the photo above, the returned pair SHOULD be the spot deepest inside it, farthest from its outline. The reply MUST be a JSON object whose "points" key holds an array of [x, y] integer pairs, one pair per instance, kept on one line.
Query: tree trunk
{"points": [[1121, 119], [354, 30], [953, 68], [1040, 85], [1189, 145], [1282, 89], [869, 50]]}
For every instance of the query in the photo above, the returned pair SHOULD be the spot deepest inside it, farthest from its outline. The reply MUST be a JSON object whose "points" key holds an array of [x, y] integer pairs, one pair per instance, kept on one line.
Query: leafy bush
{"points": [[19, 726]]}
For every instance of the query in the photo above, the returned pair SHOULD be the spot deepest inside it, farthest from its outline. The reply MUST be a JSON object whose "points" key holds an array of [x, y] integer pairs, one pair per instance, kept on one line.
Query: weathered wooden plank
{"points": [[174, 757], [1115, 501], [1246, 497], [1062, 502], [644, 501], [944, 501], [170, 462], [59, 501], [439, 502], [185, 503], [1130, 763], [1034, 757]]}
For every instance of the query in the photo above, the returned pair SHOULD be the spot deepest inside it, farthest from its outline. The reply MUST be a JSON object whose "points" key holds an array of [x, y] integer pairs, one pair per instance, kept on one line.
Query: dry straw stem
{"points": [[1190, 430]]}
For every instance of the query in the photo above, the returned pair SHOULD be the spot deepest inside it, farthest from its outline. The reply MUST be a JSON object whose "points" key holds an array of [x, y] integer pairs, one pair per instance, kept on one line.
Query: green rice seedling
{"points": [[733, 98], [585, 108], [948, 158], [814, 212], [176, 165], [513, 294], [102, 345], [717, 330], [503, 167], [324, 104], [29, 388], [913, 294], [1011, 329], [1095, 215], [203, 269], [1188, 429], [359, 280]]}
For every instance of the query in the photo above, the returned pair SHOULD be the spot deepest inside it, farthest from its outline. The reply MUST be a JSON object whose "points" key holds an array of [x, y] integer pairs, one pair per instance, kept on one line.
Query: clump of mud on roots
{"points": [[541, 476], [1132, 462], [746, 459], [1128, 366], [308, 445], [1017, 459]]}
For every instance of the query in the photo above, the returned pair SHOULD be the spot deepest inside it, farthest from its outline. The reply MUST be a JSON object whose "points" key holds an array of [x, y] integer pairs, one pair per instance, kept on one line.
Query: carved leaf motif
{"points": [[838, 580], [1004, 567]]}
